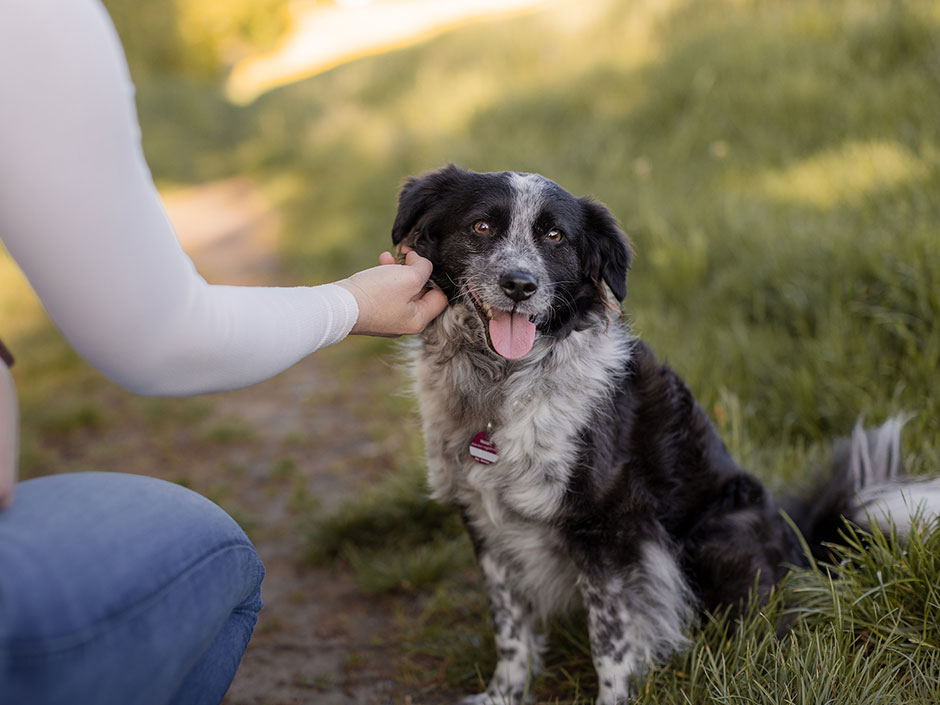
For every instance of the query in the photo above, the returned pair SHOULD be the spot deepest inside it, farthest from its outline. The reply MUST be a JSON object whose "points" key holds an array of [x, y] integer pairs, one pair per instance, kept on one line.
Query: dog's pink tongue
{"points": [[513, 334]]}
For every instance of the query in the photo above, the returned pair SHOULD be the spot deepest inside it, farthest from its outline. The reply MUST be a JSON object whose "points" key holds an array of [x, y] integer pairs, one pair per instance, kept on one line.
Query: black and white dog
{"points": [[584, 470]]}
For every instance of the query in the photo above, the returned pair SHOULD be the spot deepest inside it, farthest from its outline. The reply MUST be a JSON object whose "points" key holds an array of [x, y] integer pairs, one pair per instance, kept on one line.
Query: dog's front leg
{"points": [[635, 616], [518, 643]]}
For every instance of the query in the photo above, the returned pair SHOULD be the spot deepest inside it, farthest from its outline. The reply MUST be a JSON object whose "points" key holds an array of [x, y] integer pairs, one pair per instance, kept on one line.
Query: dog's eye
{"points": [[481, 227], [555, 235]]}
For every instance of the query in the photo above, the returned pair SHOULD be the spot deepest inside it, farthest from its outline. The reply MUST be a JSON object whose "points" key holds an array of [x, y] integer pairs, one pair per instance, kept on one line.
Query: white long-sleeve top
{"points": [[80, 215]]}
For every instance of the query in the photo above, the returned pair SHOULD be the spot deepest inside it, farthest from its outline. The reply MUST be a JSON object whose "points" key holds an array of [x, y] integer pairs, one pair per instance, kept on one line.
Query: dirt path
{"points": [[319, 639]]}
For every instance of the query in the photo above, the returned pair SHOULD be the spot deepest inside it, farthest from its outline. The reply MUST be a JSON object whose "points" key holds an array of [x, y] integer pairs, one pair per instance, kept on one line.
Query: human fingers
{"points": [[429, 306], [423, 309], [386, 258], [419, 264], [402, 252]]}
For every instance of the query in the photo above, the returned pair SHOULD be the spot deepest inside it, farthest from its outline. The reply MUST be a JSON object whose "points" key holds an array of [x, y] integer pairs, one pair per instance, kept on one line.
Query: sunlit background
{"points": [[776, 164]]}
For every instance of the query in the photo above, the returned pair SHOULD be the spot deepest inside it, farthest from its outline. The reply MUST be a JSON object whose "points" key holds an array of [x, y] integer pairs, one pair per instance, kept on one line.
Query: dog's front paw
{"points": [[608, 695], [496, 697]]}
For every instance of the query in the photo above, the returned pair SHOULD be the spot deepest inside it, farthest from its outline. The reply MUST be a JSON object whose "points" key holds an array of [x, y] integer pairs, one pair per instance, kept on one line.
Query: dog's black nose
{"points": [[518, 285]]}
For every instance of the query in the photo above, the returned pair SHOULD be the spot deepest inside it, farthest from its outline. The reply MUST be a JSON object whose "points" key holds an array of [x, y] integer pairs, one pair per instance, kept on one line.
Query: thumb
{"points": [[419, 265], [430, 305]]}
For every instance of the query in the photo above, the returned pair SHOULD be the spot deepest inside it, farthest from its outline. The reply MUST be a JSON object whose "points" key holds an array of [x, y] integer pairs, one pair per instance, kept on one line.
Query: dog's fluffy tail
{"points": [[866, 484]]}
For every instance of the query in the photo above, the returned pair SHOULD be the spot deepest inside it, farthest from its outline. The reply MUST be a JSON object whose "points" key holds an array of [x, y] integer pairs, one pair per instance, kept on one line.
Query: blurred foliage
{"points": [[195, 37]]}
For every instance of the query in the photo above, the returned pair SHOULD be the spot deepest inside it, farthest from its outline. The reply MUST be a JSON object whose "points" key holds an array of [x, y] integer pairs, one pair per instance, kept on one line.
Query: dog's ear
{"points": [[607, 252], [417, 197]]}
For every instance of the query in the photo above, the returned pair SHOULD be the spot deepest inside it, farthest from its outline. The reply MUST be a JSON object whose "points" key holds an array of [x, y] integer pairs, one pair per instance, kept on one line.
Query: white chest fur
{"points": [[535, 409]]}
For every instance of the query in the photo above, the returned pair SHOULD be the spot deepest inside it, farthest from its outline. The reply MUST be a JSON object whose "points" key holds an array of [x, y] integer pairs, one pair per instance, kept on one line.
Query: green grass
{"points": [[865, 631], [777, 166], [396, 514]]}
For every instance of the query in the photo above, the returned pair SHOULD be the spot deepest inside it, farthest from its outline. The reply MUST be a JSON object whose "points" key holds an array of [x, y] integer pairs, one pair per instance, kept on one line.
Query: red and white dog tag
{"points": [[482, 449]]}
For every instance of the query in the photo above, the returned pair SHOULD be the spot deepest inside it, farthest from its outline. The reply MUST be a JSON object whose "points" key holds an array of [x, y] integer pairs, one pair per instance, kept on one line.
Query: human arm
{"points": [[81, 216]]}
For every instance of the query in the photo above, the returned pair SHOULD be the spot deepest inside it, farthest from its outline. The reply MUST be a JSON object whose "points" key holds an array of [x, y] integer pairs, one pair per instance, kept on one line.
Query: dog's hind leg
{"points": [[635, 617], [518, 643]]}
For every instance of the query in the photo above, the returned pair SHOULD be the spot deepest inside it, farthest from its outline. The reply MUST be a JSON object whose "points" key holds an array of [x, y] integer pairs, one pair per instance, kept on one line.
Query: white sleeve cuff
{"points": [[339, 306]]}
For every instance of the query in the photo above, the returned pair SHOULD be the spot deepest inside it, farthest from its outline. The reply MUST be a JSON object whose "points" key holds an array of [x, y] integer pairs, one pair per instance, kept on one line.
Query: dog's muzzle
{"points": [[518, 286]]}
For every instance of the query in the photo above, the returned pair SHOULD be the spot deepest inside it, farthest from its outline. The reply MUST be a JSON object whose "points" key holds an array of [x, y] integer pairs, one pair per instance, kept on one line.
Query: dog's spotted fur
{"points": [[612, 489]]}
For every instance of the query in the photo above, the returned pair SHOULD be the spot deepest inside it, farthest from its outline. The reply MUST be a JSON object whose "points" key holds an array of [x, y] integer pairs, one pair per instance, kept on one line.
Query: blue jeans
{"points": [[121, 590]]}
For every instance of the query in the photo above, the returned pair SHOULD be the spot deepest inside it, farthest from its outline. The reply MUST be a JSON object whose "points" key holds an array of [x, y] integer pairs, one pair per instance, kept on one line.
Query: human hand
{"points": [[393, 299]]}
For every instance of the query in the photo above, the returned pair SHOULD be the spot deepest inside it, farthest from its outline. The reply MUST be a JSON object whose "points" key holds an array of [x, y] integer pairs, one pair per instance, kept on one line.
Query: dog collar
{"points": [[482, 449]]}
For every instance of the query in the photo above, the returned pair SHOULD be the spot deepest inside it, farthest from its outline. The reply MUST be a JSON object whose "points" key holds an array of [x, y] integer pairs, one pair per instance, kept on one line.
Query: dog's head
{"points": [[526, 255]]}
